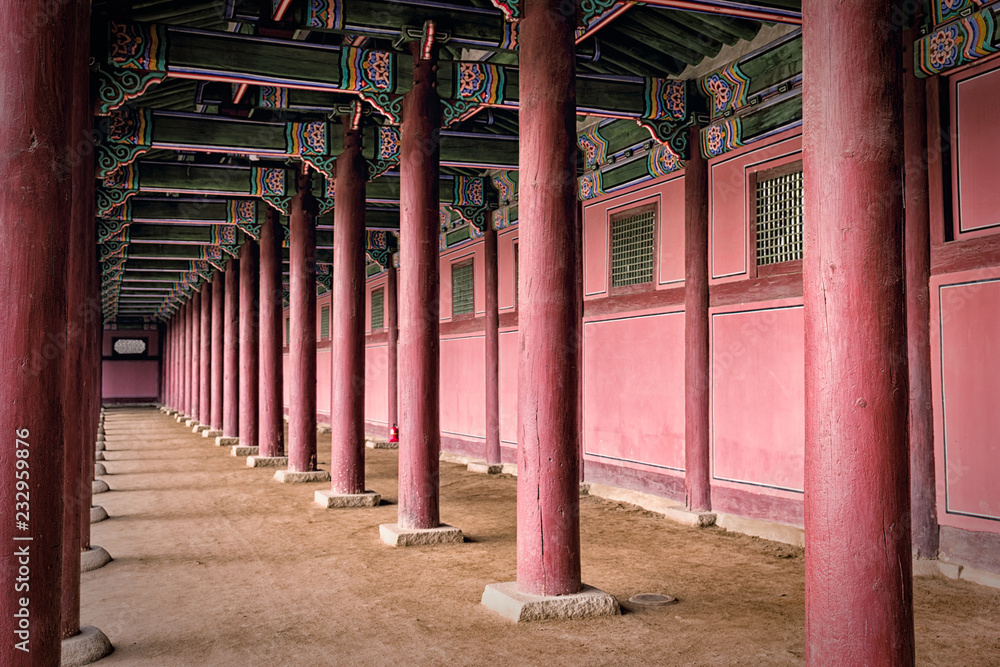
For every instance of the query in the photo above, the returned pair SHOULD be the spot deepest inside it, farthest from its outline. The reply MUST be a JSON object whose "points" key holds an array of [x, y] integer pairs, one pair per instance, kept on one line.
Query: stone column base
{"points": [[99, 486], [331, 500], [509, 469], [182, 419], [102, 437], [243, 450], [304, 477], [485, 468], [190, 423], [226, 441], [200, 428], [505, 600], [93, 558], [99, 470], [90, 645], [210, 432], [267, 461], [99, 446], [395, 536], [98, 456], [381, 444], [98, 514]]}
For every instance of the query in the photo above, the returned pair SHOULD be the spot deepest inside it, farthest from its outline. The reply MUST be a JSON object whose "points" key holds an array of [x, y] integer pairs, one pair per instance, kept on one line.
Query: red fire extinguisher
{"points": [[394, 434]]}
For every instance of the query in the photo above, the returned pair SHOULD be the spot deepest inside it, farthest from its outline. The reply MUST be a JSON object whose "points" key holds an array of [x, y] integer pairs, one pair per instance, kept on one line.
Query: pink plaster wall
{"points": [[508, 387], [506, 241], [758, 397], [376, 383], [965, 367], [633, 390], [463, 386], [667, 195], [975, 98], [130, 378], [728, 221]]}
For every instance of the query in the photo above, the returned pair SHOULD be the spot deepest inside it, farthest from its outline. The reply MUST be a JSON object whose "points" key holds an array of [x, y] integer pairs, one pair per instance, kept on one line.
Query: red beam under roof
{"points": [[734, 9]]}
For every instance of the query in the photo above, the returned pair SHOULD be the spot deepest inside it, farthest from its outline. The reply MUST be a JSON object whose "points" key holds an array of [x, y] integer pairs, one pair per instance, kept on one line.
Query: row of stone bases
{"points": [[503, 598]]}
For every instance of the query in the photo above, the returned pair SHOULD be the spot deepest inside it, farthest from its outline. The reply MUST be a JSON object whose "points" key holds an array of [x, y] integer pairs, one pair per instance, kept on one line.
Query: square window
{"points": [[378, 309], [461, 289], [324, 323], [777, 210], [632, 235]]}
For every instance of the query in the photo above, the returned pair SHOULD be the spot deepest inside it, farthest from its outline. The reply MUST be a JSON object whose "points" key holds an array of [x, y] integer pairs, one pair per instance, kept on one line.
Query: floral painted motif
{"points": [[943, 50], [388, 143]]}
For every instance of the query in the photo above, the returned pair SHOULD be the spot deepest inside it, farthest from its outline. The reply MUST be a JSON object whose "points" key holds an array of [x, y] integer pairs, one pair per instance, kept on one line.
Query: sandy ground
{"points": [[216, 564]]}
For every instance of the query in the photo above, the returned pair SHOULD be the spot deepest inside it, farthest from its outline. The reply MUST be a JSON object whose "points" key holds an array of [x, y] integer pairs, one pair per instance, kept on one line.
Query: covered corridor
{"points": [[215, 564]]}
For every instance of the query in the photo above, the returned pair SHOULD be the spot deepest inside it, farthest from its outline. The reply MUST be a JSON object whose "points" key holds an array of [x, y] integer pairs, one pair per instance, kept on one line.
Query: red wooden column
{"points": [[859, 606], [924, 525], [272, 427], [205, 355], [492, 345], [231, 354], [548, 495], [218, 340], [34, 205], [196, 362], [392, 330], [249, 343], [420, 441], [697, 488], [347, 414], [189, 359], [302, 346]]}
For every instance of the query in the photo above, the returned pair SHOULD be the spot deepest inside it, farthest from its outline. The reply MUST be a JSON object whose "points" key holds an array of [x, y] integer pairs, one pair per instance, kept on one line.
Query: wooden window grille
{"points": [[378, 303], [461, 289], [778, 210], [632, 235], [129, 347], [324, 323], [288, 331]]}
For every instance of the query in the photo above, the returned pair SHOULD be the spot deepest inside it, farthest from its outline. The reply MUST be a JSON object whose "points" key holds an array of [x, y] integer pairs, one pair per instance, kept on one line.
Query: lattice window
{"points": [[779, 218], [632, 236], [461, 289], [324, 323], [130, 347], [288, 331], [378, 310]]}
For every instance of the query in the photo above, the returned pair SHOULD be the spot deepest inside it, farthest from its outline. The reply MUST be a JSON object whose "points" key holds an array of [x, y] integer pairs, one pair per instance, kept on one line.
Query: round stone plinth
{"points": [[98, 514], [652, 600], [99, 470], [93, 558], [90, 645], [330, 500], [99, 486]]}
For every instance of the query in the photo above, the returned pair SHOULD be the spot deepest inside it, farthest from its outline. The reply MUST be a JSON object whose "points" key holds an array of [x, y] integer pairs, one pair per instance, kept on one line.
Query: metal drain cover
{"points": [[652, 599]]}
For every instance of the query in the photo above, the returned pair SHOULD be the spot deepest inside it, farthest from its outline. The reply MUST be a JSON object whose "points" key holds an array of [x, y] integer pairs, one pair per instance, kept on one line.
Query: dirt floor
{"points": [[216, 564]]}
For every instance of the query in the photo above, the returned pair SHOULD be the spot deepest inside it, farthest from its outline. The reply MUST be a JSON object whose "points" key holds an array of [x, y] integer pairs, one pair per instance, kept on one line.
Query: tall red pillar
{"points": [[392, 332], [231, 353], [34, 205], [697, 487], [492, 326], [923, 500], [419, 351], [302, 346], [205, 354], [194, 365], [548, 496], [272, 426], [249, 342], [217, 342], [188, 358], [858, 579], [347, 414]]}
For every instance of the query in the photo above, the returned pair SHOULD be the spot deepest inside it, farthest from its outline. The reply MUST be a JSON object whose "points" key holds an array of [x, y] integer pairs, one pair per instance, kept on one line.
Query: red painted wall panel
{"points": [[508, 386], [965, 358], [633, 390], [506, 240], [758, 396], [728, 243], [130, 379], [975, 98], [463, 386], [376, 383]]}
